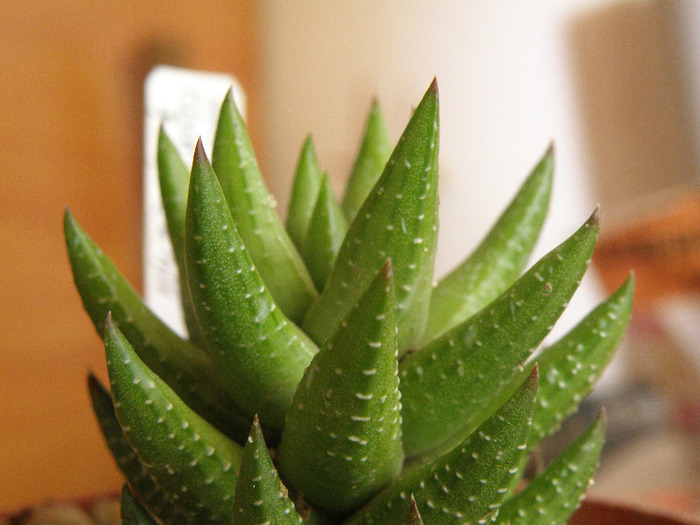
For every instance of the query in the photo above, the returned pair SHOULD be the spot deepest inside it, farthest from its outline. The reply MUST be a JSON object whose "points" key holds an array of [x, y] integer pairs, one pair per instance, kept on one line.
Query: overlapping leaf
{"points": [[260, 354], [342, 438], [193, 463], [553, 496], [260, 496], [135, 472], [451, 385], [179, 363], [467, 484], [174, 180], [254, 215], [571, 366], [498, 260], [132, 512]]}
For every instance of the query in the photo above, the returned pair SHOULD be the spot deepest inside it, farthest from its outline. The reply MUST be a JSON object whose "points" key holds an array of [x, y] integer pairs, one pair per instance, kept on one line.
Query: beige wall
{"points": [[506, 91]]}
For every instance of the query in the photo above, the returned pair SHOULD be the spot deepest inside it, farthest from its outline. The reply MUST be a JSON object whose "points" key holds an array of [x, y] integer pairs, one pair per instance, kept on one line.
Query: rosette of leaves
{"points": [[326, 378]]}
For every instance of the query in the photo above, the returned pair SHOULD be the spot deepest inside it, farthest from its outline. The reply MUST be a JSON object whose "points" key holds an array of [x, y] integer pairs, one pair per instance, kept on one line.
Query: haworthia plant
{"points": [[383, 399]]}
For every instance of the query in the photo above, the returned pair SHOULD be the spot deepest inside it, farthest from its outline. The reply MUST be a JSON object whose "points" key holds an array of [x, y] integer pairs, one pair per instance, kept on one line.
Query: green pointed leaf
{"points": [[182, 365], [135, 472], [260, 354], [260, 495], [371, 159], [414, 517], [571, 366], [258, 224], [132, 512], [342, 438], [307, 183], [326, 232], [398, 221], [499, 259], [191, 461], [467, 484], [452, 384], [174, 179], [553, 496]]}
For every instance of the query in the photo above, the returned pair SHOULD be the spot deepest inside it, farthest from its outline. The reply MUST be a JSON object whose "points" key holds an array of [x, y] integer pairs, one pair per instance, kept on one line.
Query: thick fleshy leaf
{"points": [[342, 438], [260, 495], [174, 180], [467, 484], [398, 221], [452, 384], [192, 462], [182, 365], [132, 512], [260, 354], [371, 159], [135, 472], [307, 183], [253, 212], [327, 230], [554, 495], [498, 260], [571, 366]]}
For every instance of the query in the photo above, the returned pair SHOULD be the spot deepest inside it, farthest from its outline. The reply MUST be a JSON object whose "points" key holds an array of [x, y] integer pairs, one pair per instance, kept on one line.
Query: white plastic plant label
{"points": [[187, 103]]}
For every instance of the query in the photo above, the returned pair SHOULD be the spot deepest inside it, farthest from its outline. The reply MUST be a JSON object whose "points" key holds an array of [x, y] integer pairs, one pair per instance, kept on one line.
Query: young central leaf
{"points": [[398, 221], [374, 153], [260, 354], [191, 461], [307, 183], [342, 438], [327, 229], [253, 213]]}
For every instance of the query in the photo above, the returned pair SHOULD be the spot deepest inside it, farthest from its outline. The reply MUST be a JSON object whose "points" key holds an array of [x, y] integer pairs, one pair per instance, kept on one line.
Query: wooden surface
{"points": [[70, 129]]}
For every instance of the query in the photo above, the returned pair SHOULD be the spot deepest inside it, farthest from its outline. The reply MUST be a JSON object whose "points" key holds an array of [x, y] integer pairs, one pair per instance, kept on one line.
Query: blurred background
{"points": [[615, 84]]}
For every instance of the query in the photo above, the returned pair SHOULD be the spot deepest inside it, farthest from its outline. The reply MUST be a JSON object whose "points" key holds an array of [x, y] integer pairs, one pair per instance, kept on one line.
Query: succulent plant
{"points": [[326, 378]]}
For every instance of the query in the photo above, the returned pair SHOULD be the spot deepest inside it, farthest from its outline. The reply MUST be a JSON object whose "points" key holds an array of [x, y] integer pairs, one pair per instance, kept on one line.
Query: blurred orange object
{"points": [[659, 237]]}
